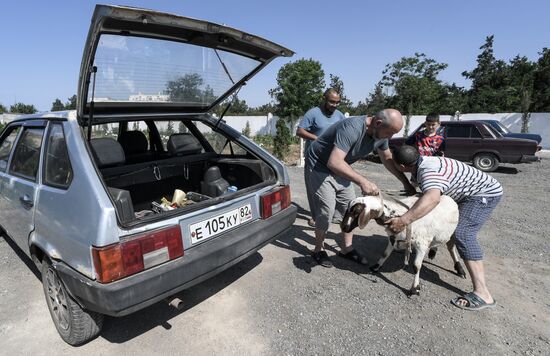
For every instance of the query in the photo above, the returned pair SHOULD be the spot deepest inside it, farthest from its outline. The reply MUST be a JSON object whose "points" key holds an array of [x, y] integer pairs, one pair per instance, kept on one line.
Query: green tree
{"points": [[238, 106], [299, 87], [71, 104], [186, 89], [262, 109], [2, 109], [21, 108], [282, 139], [377, 100], [541, 83], [490, 78], [345, 104], [57, 105], [521, 74], [2, 125], [413, 86], [246, 130]]}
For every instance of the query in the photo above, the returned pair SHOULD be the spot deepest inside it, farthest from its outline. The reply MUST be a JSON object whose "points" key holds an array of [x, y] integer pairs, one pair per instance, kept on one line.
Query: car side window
{"points": [[7, 145], [457, 131], [222, 145], [462, 131], [58, 171], [27, 154], [475, 132]]}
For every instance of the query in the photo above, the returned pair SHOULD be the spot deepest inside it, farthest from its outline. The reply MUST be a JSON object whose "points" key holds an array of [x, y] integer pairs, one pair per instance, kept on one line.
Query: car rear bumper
{"points": [[529, 158], [198, 264]]}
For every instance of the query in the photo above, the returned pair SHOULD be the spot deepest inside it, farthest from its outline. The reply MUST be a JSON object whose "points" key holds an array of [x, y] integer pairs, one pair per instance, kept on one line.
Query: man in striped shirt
{"points": [[476, 193]]}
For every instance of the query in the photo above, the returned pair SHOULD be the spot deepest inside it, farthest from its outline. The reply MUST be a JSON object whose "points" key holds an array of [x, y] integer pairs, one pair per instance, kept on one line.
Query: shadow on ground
{"points": [[300, 238], [122, 329]]}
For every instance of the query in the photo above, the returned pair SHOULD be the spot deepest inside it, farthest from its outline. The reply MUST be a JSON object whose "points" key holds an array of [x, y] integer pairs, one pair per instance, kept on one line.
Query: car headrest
{"points": [[107, 152], [183, 144], [133, 142]]}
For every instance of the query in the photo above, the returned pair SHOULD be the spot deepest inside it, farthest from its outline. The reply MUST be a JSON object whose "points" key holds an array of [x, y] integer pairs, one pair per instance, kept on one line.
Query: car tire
{"points": [[486, 162], [74, 324]]}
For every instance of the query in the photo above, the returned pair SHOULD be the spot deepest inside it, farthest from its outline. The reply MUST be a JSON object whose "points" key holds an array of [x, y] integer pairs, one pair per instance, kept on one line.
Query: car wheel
{"points": [[486, 162], [74, 324]]}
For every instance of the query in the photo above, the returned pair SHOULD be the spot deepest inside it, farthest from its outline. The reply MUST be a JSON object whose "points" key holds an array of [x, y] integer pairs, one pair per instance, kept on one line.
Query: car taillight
{"points": [[137, 253], [275, 201]]}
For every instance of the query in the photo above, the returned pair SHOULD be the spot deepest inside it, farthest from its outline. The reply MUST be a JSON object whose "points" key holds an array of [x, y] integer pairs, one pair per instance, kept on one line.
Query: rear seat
{"points": [[135, 146], [108, 153], [182, 144]]}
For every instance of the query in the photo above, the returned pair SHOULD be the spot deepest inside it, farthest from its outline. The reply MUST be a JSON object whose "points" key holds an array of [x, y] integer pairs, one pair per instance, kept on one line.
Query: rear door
{"points": [[21, 184], [462, 141], [7, 143]]}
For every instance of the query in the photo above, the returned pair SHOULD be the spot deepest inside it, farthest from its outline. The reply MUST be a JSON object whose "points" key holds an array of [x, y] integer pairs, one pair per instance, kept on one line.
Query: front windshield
{"points": [[136, 69]]}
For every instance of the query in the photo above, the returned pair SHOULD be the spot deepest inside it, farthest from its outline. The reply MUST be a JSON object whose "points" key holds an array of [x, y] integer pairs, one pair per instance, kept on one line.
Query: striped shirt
{"points": [[455, 179]]}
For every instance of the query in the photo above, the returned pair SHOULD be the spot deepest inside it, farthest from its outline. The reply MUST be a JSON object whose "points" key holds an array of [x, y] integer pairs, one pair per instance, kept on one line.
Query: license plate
{"points": [[208, 228]]}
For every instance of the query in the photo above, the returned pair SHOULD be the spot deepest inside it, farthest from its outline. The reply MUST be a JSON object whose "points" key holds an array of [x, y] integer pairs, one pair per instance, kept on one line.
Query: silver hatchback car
{"points": [[140, 193]]}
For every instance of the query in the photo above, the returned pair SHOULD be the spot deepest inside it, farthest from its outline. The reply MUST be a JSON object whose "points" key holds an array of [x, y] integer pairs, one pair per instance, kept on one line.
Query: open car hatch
{"points": [[141, 62]]}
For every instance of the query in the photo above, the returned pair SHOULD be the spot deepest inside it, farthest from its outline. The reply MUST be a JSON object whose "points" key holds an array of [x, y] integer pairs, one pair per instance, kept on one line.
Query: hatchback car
{"points": [[476, 142], [140, 193]]}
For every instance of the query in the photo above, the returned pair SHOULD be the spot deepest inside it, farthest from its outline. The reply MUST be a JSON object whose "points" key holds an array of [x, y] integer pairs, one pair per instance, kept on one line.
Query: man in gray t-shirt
{"points": [[329, 175]]}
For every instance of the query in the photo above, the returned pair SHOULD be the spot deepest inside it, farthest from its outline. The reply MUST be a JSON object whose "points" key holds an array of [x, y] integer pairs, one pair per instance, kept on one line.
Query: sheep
{"points": [[432, 230]]}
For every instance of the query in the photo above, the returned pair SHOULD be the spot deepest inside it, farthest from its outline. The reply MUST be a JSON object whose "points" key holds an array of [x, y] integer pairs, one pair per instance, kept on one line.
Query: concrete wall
{"points": [[5, 118]]}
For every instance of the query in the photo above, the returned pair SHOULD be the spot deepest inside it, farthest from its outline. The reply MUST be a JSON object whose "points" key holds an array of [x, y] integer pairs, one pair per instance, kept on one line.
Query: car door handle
{"points": [[475, 141], [26, 201]]}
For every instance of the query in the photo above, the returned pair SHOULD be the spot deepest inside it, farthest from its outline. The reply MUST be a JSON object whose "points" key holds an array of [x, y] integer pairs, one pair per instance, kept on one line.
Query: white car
{"points": [[140, 193]]}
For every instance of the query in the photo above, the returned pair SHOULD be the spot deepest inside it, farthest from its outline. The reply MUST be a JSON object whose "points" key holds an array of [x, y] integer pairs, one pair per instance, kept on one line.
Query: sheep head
{"points": [[360, 211]]}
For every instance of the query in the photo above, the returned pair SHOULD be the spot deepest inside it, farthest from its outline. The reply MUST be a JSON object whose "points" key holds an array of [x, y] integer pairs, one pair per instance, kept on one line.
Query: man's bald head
{"points": [[390, 118], [386, 123]]}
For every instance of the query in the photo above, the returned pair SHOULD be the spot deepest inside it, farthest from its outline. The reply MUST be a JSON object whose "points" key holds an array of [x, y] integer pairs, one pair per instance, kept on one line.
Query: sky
{"points": [[42, 41]]}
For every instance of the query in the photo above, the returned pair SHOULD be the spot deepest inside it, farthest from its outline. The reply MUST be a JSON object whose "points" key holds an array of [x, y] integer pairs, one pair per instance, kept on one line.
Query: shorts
{"points": [[330, 196], [473, 212]]}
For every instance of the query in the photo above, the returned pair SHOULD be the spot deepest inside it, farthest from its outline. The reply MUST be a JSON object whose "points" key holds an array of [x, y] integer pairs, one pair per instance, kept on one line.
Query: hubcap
{"points": [[57, 298], [485, 162]]}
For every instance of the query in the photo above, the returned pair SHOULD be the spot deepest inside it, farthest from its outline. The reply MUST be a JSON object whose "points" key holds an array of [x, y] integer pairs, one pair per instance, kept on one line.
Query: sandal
{"points": [[353, 255], [473, 302], [322, 259]]}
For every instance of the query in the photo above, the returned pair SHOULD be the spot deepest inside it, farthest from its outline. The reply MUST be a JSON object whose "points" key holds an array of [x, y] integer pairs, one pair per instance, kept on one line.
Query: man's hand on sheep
{"points": [[396, 224], [368, 187]]}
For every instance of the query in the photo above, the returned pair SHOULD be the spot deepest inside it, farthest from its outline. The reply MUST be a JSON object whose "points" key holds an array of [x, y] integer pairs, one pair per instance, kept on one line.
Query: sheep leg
{"points": [[417, 265], [454, 255], [387, 253]]}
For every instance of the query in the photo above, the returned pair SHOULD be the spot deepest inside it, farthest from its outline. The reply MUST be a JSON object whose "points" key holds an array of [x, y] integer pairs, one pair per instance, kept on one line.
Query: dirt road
{"points": [[279, 302]]}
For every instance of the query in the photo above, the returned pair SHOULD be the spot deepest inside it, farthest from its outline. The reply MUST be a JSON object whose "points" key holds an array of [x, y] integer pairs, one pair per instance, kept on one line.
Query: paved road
{"points": [[279, 302]]}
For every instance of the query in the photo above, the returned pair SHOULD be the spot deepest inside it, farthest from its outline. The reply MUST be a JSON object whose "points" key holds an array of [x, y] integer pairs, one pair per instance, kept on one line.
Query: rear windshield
{"points": [[151, 70]]}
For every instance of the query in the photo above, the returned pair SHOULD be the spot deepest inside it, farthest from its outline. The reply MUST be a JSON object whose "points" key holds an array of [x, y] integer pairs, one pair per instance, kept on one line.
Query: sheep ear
{"points": [[364, 218]]}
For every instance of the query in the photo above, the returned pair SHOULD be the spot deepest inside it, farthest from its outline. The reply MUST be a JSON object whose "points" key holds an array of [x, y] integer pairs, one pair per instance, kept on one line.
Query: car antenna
{"points": [[93, 70]]}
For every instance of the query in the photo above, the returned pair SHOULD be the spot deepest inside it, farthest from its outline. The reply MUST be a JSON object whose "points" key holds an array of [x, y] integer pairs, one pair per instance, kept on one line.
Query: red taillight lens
{"points": [[275, 201], [137, 253]]}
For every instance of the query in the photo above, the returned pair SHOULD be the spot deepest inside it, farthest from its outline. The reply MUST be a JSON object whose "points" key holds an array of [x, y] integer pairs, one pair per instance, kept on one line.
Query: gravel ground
{"points": [[279, 302]]}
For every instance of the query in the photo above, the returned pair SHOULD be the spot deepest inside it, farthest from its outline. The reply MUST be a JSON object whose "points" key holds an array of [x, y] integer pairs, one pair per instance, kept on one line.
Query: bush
{"points": [[246, 130], [282, 140]]}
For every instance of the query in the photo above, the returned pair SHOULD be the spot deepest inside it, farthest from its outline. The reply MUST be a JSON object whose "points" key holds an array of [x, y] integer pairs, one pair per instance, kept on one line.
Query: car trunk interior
{"points": [[144, 189], [199, 177]]}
